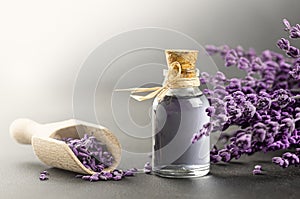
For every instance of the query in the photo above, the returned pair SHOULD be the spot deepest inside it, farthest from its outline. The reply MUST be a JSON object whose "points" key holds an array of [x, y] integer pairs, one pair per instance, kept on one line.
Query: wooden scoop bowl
{"points": [[48, 147]]}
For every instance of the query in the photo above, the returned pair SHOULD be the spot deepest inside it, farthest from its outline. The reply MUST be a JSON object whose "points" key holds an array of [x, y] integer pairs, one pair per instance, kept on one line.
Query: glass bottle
{"points": [[176, 116]]}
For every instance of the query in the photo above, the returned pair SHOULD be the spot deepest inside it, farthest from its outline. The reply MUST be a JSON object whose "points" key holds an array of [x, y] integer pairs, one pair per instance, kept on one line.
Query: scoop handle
{"points": [[23, 129]]}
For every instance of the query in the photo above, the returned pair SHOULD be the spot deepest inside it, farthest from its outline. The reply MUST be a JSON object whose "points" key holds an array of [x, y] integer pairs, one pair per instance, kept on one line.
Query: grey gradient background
{"points": [[43, 45]]}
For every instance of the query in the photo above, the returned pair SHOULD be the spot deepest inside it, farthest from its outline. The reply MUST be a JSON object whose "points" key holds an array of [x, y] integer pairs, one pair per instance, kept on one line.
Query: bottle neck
{"points": [[182, 83], [189, 91]]}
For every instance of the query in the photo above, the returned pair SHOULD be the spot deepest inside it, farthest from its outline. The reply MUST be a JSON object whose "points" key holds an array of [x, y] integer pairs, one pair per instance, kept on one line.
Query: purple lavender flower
{"points": [[259, 132], [243, 141], [287, 159], [91, 152], [249, 110], [257, 64], [287, 24], [293, 52], [220, 77], [295, 31], [264, 103], [128, 173], [243, 63], [147, 168], [205, 130], [94, 177], [257, 170], [204, 79], [281, 98], [295, 72], [210, 111], [45, 172], [220, 93], [233, 110], [252, 98], [43, 177], [287, 125], [234, 85], [239, 51], [283, 44], [211, 49], [267, 55], [257, 167], [279, 161], [251, 54], [225, 155], [231, 58], [115, 175], [224, 50]]}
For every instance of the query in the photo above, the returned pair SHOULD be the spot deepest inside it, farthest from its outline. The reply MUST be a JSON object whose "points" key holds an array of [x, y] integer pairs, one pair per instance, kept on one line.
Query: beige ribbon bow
{"points": [[173, 81]]}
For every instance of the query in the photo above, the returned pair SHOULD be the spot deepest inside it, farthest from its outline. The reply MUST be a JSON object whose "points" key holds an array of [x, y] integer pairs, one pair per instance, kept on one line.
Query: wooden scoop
{"points": [[48, 147]]}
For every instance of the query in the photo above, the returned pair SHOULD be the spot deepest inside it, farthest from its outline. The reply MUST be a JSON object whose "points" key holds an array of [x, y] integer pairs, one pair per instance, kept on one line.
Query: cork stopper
{"points": [[187, 60]]}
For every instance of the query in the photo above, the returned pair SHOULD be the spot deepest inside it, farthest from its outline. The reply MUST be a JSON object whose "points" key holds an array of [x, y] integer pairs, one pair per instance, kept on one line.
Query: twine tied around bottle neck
{"points": [[173, 80]]}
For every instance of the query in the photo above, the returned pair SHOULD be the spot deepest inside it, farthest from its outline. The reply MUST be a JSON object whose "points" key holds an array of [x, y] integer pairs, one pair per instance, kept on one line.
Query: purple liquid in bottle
{"points": [[175, 119]]}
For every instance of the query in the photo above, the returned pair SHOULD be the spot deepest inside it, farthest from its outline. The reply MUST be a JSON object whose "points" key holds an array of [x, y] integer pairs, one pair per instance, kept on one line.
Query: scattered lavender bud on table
{"points": [[128, 173], [45, 172], [257, 170], [147, 168], [43, 177], [258, 167], [94, 155]]}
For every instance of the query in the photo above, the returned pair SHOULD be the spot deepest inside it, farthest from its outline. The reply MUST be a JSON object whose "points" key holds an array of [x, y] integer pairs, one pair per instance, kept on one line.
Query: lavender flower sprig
{"points": [[264, 104]]}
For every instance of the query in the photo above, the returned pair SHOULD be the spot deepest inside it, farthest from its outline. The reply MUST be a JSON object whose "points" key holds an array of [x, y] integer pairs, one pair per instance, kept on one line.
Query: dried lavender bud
{"points": [[293, 52], [91, 152], [109, 175], [287, 24], [243, 63], [283, 44], [43, 177], [211, 49], [102, 177], [147, 168], [257, 172], [210, 111], [225, 155], [44, 172], [258, 167], [94, 177], [294, 30], [86, 177], [128, 173], [117, 178], [231, 58], [295, 72]]}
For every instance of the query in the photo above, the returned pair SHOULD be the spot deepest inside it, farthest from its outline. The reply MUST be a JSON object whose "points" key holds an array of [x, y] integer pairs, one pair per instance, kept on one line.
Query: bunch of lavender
{"points": [[92, 153], [264, 104]]}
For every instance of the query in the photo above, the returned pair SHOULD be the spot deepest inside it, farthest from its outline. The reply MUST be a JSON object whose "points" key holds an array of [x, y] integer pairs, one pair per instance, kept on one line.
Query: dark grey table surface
{"points": [[20, 171]]}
